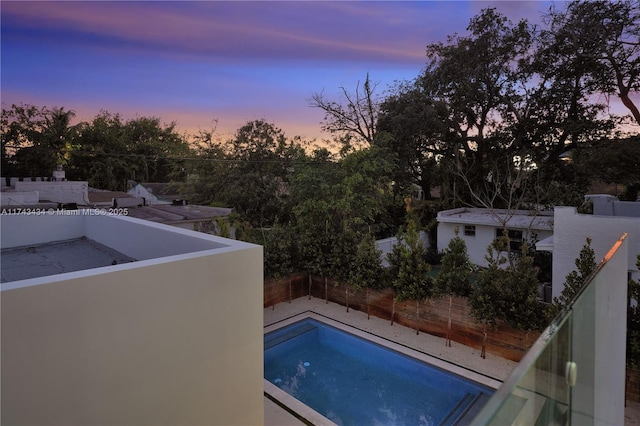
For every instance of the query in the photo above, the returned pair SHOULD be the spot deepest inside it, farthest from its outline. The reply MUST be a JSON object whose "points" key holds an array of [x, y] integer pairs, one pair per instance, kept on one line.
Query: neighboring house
{"points": [[29, 192], [572, 229], [193, 217], [609, 205], [107, 199], [33, 191], [115, 320], [562, 232], [154, 193], [480, 227]]}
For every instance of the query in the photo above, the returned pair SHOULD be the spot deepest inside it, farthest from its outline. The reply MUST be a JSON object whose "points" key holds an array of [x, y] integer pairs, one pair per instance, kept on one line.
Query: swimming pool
{"points": [[353, 381]]}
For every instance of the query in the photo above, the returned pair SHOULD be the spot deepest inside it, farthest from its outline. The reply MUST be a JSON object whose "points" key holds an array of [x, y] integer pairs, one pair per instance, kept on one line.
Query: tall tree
{"points": [[314, 196], [603, 38], [355, 114], [415, 128], [409, 270], [342, 258], [155, 146], [260, 166], [523, 308], [202, 177], [367, 271], [615, 161], [278, 254], [109, 151], [487, 299], [454, 276], [482, 81], [365, 190], [36, 140]]}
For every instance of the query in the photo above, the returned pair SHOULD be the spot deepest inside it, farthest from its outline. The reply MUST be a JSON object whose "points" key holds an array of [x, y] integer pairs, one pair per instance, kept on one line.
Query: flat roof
{"points": [[519, 219], [58, 257], [166, 213]]}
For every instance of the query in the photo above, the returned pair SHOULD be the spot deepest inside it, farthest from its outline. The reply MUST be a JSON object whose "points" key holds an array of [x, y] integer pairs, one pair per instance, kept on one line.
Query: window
{"points": [[470, 230], [515, 238]]}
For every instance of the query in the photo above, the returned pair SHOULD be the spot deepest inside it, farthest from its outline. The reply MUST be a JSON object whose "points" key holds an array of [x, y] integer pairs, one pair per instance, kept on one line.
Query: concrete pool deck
{"points": [[493, 366]]}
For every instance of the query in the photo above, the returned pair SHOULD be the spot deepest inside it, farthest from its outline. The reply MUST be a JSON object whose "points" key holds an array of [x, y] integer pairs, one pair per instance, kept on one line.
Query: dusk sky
{"points": [[197, 62]]}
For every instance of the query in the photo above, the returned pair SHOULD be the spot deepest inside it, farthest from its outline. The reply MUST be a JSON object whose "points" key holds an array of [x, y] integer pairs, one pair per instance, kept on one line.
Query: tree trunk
{"points": [[310, 286], [273, 307], [326, 294], [626, 101], [393, 309], [417, 317], [448, 341], [483, 353], [366, 298], [346, 289]]}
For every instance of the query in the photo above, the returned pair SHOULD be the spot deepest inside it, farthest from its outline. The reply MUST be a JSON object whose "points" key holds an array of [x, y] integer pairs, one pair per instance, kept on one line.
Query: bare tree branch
{"points": [[356, 116]]}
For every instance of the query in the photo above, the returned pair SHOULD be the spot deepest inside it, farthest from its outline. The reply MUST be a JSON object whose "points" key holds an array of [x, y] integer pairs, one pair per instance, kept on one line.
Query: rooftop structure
{"points": [[142, 342], [609, 205], [155, 202], [154, 192], [570, 234], [520, 219], [40, 260], [184, 216]]}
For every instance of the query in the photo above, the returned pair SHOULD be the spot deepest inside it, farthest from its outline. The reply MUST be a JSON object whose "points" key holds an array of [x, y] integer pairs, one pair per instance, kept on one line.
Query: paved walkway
{"points": [[493, 366]]}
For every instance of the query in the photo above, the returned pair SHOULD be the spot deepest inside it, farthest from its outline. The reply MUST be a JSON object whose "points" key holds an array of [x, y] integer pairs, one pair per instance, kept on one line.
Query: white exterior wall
{"points": [[571, 232], [171, 340], [599, 343], [59, 192], [22, 230], [385, 246], [477, 245], [140, 191]]}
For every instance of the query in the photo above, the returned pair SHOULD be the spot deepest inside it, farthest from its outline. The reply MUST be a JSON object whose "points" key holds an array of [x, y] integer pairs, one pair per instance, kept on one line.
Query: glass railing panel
{"points": [[583, 343], [574, 373], [536, 393]]}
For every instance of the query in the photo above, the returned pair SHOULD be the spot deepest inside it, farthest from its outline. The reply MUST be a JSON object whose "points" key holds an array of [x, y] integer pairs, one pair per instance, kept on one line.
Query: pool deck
{"points": [[493, 366]]}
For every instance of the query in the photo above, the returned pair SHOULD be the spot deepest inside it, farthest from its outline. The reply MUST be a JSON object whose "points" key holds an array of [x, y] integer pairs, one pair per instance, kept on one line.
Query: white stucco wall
{"points": [[598, 336], [22, 230], [385, 246], [136, 238], [477, 245], [173, 340], [59, 192], [140, 191], [572, 230]]}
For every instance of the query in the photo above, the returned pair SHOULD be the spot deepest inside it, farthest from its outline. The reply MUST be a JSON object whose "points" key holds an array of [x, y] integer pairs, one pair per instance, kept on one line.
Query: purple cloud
{"points": [[232, 61]]}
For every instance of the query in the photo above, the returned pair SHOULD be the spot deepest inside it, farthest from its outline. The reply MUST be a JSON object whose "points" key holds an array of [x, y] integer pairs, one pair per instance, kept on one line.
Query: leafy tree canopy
{"points": [[453, 277]]}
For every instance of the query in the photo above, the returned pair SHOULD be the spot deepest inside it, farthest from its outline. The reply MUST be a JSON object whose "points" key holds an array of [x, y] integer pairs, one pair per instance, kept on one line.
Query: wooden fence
{"points": [[633, 385], [433, 315]]}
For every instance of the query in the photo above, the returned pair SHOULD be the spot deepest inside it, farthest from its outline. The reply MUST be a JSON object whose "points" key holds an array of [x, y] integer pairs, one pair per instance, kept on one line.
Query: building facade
{"points": [[172, 337], [480, 227]]}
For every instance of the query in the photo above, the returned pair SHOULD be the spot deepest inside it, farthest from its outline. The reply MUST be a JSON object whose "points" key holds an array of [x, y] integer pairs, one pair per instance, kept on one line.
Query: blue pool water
{"points": [[353, 381]]}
